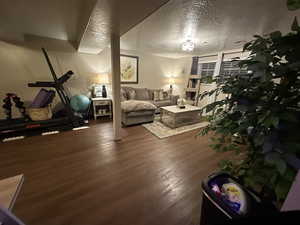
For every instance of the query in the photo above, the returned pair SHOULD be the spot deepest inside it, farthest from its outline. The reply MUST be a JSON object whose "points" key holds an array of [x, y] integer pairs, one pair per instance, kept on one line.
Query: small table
{"points": [[173, 116], [102, 107], [9, 190]]}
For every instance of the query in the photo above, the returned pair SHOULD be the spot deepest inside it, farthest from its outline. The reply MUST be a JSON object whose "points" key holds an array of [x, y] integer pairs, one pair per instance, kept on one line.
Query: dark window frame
{"points": [[207, 70]]}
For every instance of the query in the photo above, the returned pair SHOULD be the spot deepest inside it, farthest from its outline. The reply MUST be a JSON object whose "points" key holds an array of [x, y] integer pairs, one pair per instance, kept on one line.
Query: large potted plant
{"points": [[260, 117]]}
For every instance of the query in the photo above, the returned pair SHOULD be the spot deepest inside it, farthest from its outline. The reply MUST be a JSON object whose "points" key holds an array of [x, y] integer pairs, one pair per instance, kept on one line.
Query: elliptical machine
{"points": [[24, 127]]}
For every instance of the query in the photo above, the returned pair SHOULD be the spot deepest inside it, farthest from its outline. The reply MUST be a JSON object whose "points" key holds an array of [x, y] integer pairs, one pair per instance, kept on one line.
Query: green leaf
{"points": [[242, 172], [226, 165], [219, 110], [273, 179], [258, 36], [292, 147], [272, 120], [290, 174], [246, 46], [275, 35], [281, 166], [272, 157], [259, 140], [289, 116], [293, 4], [249, 182], [282, 189], [204, 94], [275, 159], [275, 122]]}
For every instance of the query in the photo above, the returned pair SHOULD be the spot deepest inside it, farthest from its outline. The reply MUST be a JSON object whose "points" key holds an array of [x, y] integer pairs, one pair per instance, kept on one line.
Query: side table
{"points": [[102, 107]]}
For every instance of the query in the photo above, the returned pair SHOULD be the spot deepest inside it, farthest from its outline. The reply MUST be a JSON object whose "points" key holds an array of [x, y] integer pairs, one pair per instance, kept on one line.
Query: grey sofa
{"points": [[138, 115]]}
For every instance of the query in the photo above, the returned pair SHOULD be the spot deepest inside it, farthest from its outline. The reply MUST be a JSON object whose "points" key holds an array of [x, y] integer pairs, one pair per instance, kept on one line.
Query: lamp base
{"points": [[171, 90], [104, 92]]}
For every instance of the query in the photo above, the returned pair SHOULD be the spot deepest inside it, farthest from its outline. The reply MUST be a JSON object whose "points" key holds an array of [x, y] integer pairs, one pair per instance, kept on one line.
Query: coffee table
{"points": [[173, 116]]}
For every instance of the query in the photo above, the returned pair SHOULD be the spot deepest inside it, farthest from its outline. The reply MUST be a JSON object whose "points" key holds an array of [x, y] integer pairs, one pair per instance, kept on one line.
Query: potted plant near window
{"points": [[260, 117]]}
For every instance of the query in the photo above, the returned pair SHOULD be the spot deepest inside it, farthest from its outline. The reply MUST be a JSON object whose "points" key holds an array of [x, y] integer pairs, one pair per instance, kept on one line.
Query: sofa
{"points": [[139, 105]]}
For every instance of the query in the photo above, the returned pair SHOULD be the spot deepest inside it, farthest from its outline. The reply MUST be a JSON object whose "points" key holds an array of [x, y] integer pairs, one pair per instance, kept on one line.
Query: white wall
{"points": [[154, 71], [24, 62]]}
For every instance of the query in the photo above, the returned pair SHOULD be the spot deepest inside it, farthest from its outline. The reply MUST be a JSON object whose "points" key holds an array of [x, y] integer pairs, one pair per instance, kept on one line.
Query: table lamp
{"points": [[103, 79], [171, 82]]}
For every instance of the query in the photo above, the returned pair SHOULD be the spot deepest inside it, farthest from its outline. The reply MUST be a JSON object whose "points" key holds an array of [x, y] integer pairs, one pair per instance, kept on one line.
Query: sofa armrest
{"points": [[174, 99]]}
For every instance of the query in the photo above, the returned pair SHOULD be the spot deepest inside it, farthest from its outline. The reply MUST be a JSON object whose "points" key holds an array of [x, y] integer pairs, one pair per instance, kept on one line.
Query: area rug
{"points": [[162, 131]]}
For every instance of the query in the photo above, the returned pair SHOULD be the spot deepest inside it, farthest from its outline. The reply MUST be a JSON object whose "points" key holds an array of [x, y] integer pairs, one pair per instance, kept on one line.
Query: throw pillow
{"points": [[123, 95], [142, 94], [161, 95], [166, 95], [131, 94], [156, 95]]}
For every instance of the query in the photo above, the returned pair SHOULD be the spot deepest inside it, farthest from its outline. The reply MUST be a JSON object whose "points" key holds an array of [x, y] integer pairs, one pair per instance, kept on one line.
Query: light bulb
{"points": [[188, 46]]}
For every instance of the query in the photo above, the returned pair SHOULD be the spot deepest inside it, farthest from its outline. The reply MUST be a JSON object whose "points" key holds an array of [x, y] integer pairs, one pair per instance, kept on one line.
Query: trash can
{"points": [[225, 199]]}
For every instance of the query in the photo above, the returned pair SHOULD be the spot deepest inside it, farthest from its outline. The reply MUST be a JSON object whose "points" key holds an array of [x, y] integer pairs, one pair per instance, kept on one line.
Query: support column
{"points": [[218, 71], [116, 84], [218, 64]]}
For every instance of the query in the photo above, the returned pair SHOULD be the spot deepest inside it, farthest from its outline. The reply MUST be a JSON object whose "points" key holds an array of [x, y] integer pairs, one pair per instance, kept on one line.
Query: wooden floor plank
{"points": [[84, 177]]}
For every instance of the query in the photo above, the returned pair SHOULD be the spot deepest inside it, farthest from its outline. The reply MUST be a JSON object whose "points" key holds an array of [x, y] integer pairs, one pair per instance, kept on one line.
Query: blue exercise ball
{"points": [[80, 103]]}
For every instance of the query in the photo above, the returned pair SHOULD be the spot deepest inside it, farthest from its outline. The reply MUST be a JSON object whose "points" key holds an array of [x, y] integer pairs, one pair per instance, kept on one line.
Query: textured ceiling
{"points": [[214, 25], [57, 19], [114, 16]]}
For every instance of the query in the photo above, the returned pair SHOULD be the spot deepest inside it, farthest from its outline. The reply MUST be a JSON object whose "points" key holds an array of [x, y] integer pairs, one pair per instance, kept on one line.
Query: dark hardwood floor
{"points": [[85, 178]]}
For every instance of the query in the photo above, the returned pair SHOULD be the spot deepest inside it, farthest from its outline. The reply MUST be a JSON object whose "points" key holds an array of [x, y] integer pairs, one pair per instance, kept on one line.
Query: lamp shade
{"points": [[102, 78], [171, 80]]}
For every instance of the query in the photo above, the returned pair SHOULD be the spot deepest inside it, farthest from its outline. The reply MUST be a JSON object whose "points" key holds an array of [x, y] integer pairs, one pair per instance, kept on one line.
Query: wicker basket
{"points": [[37, 114]]}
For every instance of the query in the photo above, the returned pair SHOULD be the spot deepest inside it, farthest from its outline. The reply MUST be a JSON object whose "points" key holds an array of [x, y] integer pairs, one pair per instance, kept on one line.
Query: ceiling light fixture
{"points": [[188, 46]]}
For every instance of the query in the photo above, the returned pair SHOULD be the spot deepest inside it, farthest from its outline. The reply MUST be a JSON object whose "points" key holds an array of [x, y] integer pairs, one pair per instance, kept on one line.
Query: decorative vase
{"points": [[104, 92], [181, 103]]}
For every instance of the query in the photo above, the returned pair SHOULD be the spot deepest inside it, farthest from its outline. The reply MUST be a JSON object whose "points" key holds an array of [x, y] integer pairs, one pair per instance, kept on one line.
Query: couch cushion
{"points": [[130, 92], [151, 93], [166, 95], [140, 113], [142, 94], [156, 94], [136, 105], [162, 103], [124, 96]]}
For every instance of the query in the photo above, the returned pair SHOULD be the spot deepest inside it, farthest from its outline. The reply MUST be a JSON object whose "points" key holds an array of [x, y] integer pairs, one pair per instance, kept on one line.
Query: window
{"points": [[206, 70], [229, 68]]}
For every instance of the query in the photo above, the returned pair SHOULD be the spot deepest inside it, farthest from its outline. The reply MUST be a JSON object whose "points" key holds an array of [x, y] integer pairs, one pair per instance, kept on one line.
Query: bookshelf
{"points": [[192, 89]]}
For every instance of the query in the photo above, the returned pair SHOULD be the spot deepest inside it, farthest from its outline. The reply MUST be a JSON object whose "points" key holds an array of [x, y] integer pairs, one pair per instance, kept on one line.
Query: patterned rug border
{"points": [[152, 128]]}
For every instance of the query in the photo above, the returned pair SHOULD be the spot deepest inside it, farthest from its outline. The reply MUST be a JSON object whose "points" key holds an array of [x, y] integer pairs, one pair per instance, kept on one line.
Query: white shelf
{"points": [[191, 89], [105, 114], [102, 102], [195, 77]]}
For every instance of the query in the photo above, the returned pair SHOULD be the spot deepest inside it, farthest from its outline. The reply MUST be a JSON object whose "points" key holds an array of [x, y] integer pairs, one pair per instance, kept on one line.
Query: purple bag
{"points": [[43, 99]]}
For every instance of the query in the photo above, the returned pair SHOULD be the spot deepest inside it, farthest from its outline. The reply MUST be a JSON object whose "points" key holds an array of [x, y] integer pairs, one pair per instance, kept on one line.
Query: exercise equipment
{"points": [[80, 103], [23, 127], [8, 105], [43, 99]]}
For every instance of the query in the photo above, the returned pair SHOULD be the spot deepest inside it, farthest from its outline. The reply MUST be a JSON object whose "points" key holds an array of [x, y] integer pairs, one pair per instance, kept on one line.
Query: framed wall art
{"points": [[129, 69]]}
